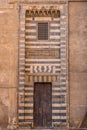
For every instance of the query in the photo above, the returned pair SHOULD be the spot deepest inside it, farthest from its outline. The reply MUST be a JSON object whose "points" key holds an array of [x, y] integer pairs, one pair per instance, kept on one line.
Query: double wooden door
{"points": [[42, 105]]}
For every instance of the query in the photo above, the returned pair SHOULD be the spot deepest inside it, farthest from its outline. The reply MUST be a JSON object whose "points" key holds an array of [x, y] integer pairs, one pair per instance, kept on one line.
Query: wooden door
{"points": [[42, 105]]}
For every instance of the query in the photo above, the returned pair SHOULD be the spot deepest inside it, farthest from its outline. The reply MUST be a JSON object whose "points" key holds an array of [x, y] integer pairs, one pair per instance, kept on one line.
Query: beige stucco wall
{"points": [[77, 61], [8, 63]]}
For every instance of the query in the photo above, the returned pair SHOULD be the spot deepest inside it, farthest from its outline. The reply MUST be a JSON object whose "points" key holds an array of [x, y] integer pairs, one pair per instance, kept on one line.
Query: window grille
{"points": [[42, 31]]}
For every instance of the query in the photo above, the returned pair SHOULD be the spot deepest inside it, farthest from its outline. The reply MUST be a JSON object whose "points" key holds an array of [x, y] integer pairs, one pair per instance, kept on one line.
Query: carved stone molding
{"points": [[43, 12]]}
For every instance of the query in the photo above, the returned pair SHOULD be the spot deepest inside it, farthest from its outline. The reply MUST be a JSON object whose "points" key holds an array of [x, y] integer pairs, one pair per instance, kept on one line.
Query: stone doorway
{"points": [[42, 105]]}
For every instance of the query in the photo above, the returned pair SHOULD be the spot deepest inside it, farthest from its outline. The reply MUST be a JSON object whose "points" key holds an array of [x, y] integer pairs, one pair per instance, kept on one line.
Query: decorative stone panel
{"points": [[45, 67]]}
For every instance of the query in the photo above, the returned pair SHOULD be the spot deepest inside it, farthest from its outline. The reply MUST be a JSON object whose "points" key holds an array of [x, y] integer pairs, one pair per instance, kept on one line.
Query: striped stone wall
{"points": [[49, 66]]}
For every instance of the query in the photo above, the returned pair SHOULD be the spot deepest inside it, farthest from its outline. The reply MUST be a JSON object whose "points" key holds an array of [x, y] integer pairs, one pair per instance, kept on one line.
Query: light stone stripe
{"points": [[40, 47], [56, 19], [37, 60], [22, 23], [37, 64], [59, 111], [53, 30], [38, 19], [59, 88], [42, 42], [58, 105], [22, 45], [21, 78], [31, 36], [31, 93], [27, 111], [58, 117], [31, 24], [54, 37], [20, 117], [57, 93], [28, 18], [54, 24], [22, 58], [27, 105], [29, 99], [22, 29], [21, 83], [29, 117], [31, 30], [22, 54]]}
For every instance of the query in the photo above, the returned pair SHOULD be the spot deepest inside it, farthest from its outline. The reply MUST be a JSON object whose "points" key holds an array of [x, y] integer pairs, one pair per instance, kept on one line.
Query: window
{"points": [[43, 31]]}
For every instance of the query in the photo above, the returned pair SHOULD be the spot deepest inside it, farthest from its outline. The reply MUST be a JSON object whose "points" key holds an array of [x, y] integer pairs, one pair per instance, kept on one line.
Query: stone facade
{"points": [[13, 73]]}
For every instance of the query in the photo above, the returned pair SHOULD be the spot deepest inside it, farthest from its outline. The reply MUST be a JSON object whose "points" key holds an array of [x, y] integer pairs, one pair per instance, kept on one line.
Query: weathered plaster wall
{"points": [[77, 61], [8, 63]]}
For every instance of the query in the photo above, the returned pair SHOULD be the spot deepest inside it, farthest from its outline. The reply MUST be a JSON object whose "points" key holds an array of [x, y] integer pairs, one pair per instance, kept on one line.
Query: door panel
{"points": [[42, 105]]}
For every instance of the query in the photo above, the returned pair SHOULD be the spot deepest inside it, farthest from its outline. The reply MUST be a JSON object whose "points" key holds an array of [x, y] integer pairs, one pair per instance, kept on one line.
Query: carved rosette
{"points": [[43, 12]]}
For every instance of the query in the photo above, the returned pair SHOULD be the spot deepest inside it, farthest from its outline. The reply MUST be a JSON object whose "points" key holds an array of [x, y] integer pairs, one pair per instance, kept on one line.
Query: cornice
{"points": [[43, 2], [37, 1]]}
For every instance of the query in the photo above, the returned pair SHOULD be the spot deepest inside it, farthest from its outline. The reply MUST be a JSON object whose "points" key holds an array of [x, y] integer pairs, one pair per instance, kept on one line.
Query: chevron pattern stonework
{"points": [[43, 61]]}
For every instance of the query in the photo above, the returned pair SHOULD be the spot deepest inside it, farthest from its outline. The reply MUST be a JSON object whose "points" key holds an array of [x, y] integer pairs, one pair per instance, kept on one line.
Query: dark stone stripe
{"points": [[30, 27], [45, 62], [59, 91], [29, 102], [57, 67], [28, 120], [55, 33], [28, 44], [59, 108], [25, 120], [35, 57], [25, 108], [29, 21], [63, 38], [22, 66], [58, 102], [58, 96], [30, 39], [54, 27], [25, 114], [30, 33], [63, 80], [53, 22], [28, 85], [59, 120], [21, 85], [58, 114], [61, 85], [21, 70], [28, 91], [28, 96], [55, 40]]}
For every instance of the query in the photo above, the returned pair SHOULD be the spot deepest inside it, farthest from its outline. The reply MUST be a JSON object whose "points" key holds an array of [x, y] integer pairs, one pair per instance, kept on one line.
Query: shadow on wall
{"points": [[3, 116]]}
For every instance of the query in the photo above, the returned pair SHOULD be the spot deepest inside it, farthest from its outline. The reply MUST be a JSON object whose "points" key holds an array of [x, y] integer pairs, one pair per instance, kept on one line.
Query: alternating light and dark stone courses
{"points": [[43, 61]]}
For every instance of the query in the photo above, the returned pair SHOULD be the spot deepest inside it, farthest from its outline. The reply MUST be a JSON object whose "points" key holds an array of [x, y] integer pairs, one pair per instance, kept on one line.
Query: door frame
{"points": [[34, 104]]}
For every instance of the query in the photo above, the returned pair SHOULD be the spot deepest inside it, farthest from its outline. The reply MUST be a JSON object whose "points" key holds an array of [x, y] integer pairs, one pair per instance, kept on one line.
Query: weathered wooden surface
{"points": [[43, 105]]}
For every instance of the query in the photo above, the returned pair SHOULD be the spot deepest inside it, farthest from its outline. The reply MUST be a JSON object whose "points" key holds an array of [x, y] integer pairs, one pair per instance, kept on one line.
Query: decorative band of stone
{"points": [[43, 12]]}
